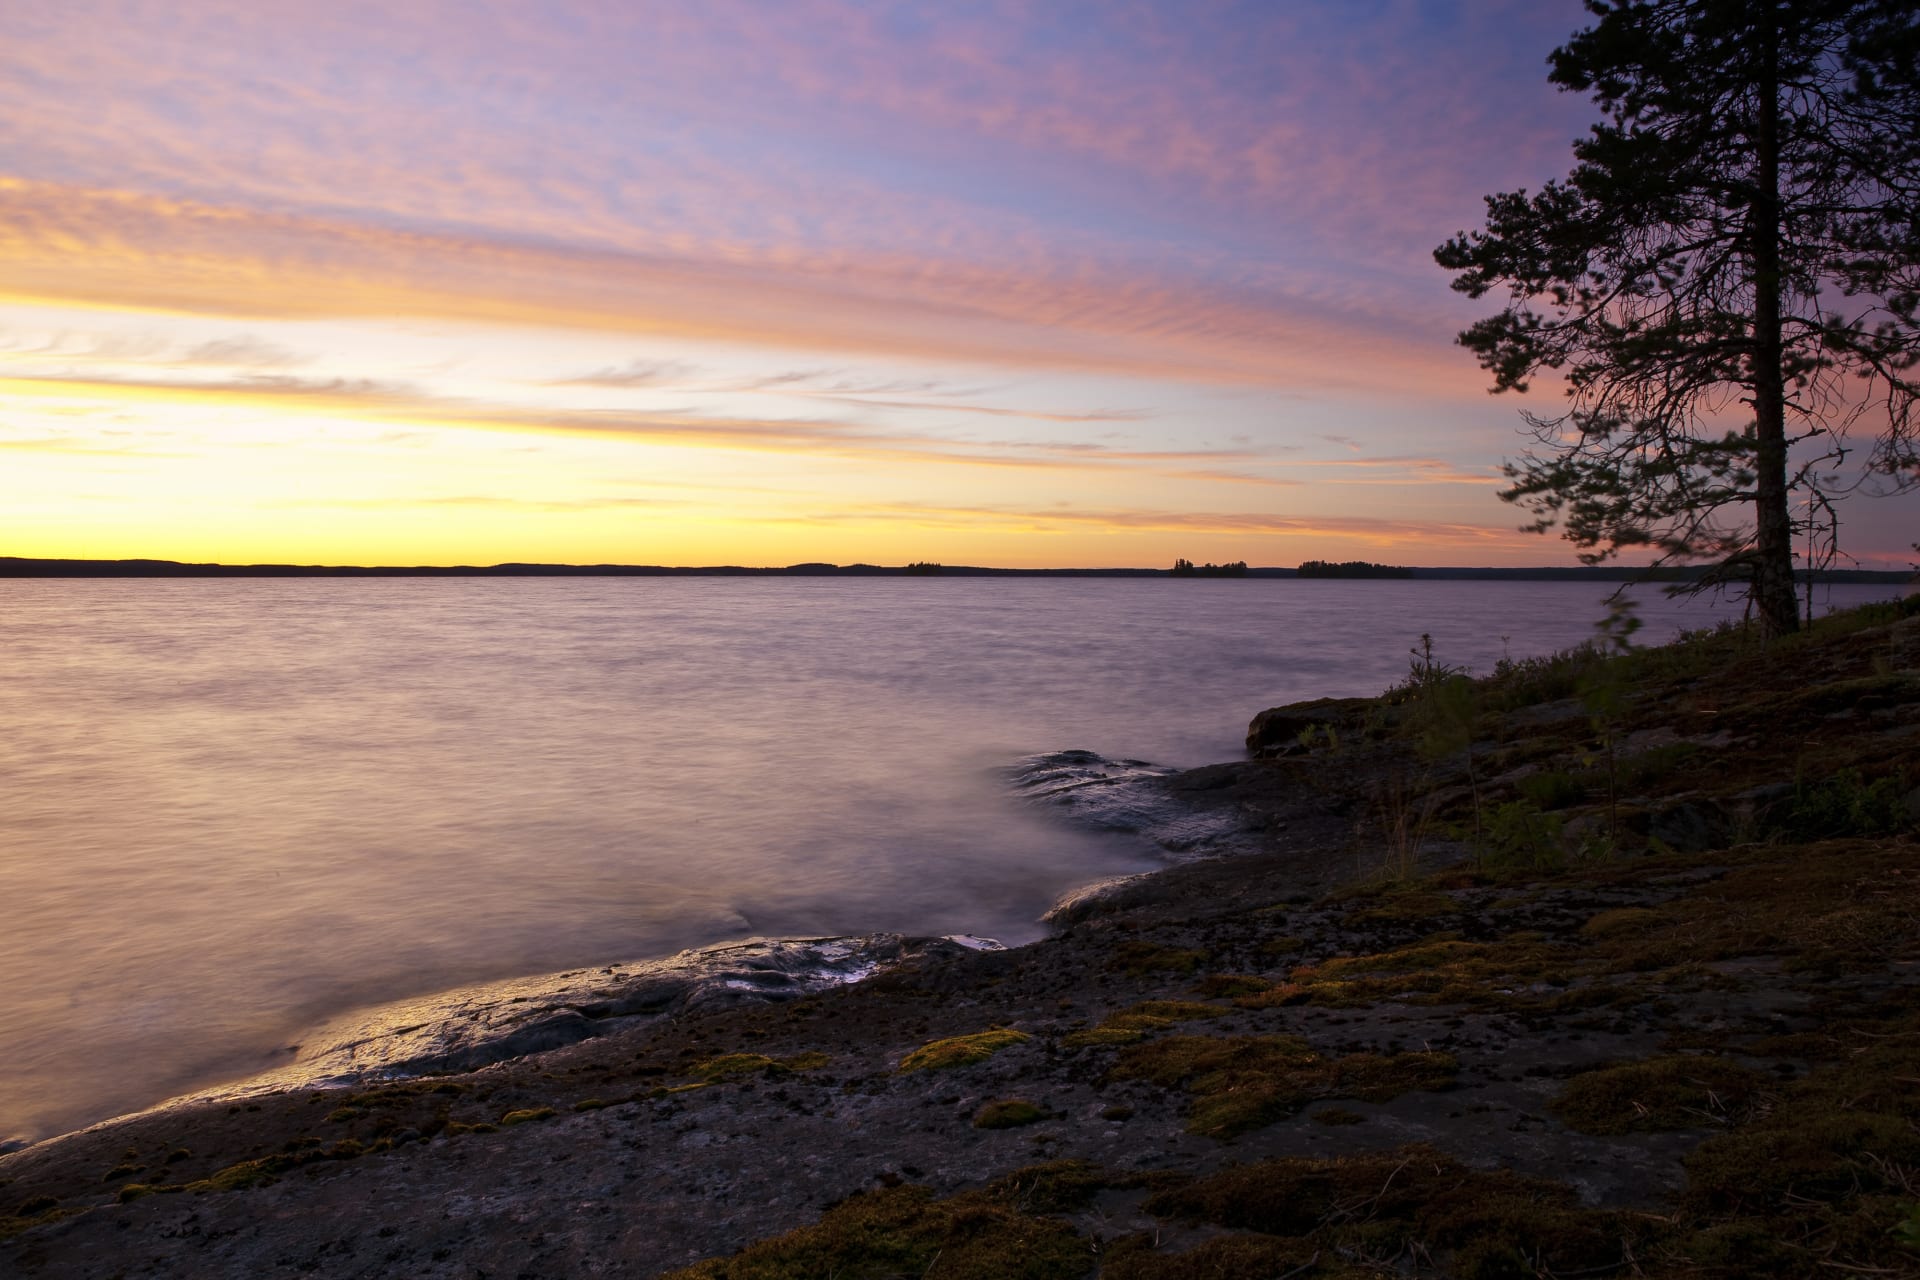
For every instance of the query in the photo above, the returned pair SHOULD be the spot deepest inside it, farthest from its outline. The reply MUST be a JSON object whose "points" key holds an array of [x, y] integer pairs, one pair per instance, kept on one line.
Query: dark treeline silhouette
{"points": [[1352, 569], [1188, 569]]}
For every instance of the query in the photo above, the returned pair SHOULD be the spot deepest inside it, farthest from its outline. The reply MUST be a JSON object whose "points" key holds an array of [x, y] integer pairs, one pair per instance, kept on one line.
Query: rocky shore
{"points": [[1595, 966]]}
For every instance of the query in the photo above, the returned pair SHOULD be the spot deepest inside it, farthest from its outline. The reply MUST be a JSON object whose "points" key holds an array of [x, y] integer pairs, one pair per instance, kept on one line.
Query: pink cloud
{"points": [[116, 248]]}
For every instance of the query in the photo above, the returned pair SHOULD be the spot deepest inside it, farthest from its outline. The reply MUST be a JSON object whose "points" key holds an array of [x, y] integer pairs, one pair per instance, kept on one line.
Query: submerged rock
{"points": [[1130, 797], [1133, 798]]}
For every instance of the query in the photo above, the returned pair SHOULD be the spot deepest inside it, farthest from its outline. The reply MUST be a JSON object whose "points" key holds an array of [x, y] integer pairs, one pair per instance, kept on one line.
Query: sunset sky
{"points": [[605, 280]]}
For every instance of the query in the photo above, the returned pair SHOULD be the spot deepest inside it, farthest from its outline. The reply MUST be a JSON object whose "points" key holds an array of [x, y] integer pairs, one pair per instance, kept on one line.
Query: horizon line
{"points": [[140, 566]]}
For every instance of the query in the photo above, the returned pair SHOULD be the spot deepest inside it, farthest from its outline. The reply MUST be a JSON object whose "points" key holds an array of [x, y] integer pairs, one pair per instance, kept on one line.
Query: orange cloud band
{"points": [[70, 245]]}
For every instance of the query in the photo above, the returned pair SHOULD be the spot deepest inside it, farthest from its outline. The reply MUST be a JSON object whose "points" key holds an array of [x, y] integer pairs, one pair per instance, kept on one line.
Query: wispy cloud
{"points": [[390, 402], [635, 373], [243, 351], [1371, 529], [991, 411], [1401, 470], [113, 248]]}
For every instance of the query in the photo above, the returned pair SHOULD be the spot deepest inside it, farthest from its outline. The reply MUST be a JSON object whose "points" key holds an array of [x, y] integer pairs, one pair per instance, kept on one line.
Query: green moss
{"points": [[1403, 906], [730, 1066], [1838, 906], [1822, 1157], [248, 1173], [960, 1051], [1007, 1113], [903, 1231], [526, 1115], [1239, 1083], [38, 1211], [1059, 1186], [340, 1115], [1133, 1258], [591, 1104], [1444, 970], [299, 1152], [1742, 1247], [1135, 1023], [1411, 1202], [1102, 1037], [457, 1128], [1175, 1010], [1221, 985], [1660, 1093]]}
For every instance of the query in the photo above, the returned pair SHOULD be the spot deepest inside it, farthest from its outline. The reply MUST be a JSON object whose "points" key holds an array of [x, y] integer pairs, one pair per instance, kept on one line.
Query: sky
{"points": [[991, 282]]}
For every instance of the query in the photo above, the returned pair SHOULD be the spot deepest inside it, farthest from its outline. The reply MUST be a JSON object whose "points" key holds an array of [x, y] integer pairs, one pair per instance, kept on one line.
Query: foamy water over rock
{"points": [[474, 1026]]}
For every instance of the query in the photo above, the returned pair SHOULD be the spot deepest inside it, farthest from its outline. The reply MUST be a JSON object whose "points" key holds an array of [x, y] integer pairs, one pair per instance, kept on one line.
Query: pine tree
{"points": [[1727, 281]]}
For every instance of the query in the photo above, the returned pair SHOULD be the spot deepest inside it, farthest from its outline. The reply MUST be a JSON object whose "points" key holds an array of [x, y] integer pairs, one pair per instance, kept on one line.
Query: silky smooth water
{"points": [[229, 809]]}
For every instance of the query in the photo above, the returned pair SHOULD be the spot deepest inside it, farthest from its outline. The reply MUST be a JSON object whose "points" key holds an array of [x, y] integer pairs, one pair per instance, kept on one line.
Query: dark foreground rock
{"points": [[1588, 1051]]}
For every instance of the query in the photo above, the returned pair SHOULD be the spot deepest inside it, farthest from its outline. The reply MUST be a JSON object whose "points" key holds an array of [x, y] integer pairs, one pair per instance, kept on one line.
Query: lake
{"points": [[231, 809]]}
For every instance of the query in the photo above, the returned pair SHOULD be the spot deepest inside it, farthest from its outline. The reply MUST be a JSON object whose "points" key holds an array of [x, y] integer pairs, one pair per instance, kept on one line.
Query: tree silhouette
{"points": [[1727, 281]]}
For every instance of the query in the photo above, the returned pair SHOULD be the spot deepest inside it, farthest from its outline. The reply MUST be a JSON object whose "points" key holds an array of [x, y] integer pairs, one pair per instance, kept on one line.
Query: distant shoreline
{"points": [[21, 567]]}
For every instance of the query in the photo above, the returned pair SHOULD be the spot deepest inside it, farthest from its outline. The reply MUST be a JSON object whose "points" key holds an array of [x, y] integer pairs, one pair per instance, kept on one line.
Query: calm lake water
{"points": [[231, 809]]}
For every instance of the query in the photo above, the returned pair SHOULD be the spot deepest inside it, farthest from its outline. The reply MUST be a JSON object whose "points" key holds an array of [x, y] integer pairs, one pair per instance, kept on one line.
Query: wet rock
{"points": [[1126, 796], [1093, 899], [555, 1031]]}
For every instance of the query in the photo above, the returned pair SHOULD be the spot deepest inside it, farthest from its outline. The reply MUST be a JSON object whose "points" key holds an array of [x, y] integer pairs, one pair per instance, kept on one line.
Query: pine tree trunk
{"points": [[1772, 589]]}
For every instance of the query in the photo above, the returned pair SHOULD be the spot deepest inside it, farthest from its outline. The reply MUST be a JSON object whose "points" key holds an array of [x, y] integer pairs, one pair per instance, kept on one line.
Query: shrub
{"points": [[1845, 805]]}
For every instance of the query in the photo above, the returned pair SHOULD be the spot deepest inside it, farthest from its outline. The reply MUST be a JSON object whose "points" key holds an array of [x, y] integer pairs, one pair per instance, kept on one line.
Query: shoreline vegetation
{"points": [[1601, 964], [28, 567]]}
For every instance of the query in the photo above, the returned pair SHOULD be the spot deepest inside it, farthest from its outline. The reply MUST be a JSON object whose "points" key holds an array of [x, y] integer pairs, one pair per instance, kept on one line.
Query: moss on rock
{"points": [[1659, 1093], [960, 1051], [1238, 1083], [903, 1231]]}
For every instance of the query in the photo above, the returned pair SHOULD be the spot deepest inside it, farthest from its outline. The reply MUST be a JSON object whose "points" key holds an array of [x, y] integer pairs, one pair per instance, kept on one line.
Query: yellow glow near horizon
{"points": [[403, 443]]}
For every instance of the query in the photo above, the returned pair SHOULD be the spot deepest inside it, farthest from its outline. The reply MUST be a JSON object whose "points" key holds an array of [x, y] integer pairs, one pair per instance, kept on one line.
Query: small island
{"points": [[1351, 569], [1183, 568]]}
